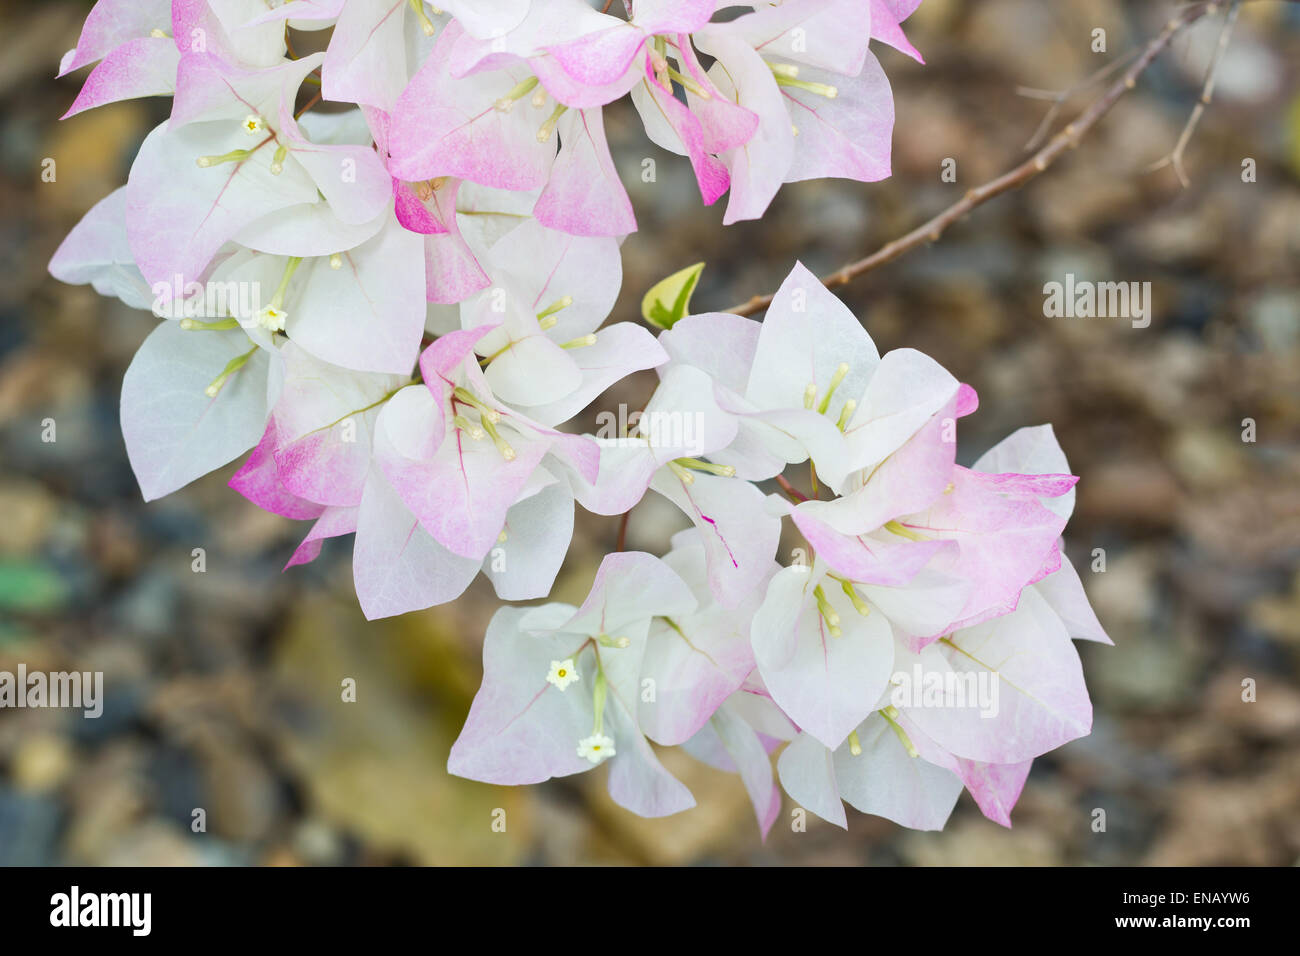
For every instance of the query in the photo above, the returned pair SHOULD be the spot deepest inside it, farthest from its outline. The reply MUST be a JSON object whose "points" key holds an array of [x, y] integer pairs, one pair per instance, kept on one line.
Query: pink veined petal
{"points": [[412, 213], [351, 177], [867, 560], [691, 679], [848, 136], [907, 481], [538, 532], [174, 431], [720, 344], [827, 685], [521, 729], [622, 480], [461, 494], [369, 313], [442, 126], [630, 587], [740, 539], [112, 23], [827, 34], [258, 480], [995, 786], [600, 58], [886, 17], [366, 59], [731, 744], [1064, 592], [887, 781], [333, 523], [1002, 542], [759, 162], [619, 350], [725, 124], [178, 215], [673, 16], [1031, 451], [637, 780], [710, 172], [968, 400], [445, 354], [397, 566], [452, 273], [141, 67], [807, 773], [1027, 659], [302, 11], [584, 195], [910, 394], [1043, 486]]}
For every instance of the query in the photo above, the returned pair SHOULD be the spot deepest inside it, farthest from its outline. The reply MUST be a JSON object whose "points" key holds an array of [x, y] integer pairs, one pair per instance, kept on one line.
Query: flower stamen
{"points": [[517, 92], [890, 714], [695, 464], [468, 427], [426, 25], [894, 527], [233, 366], [819, 89], [841, 370], [218, 325], [548, 127], [827, 612]]}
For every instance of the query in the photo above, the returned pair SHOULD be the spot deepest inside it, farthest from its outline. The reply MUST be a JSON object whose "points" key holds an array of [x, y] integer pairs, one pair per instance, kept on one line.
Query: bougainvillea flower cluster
{"points": [[384, 273]]}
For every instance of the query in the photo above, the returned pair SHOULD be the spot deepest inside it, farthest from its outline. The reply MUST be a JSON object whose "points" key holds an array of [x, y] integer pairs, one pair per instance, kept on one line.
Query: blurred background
{"points": [[223, 687]]}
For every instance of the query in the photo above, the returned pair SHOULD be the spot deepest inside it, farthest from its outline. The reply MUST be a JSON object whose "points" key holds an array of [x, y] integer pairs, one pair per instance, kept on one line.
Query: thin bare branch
{"points": [[1175, 158], [1039, 162], [1060, 97]]}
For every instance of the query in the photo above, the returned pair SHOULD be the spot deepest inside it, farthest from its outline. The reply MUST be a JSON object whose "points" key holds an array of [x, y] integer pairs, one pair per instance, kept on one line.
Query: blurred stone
{"points": [[1142, 492], [1274, 713], [28, 829], [245, 800], [378, 766], [1207, 458], [979, 843], [722, 816], [1280, 615], [42, 762], [108, 798], [1248, 820], [1275, 317], [28, 511], [151, 844]]}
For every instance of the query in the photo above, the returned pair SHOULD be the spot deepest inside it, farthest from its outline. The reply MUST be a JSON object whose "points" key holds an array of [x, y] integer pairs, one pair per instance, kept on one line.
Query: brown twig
{"points": [[622, 530], [1059, 98], [1175, 157], [790, 489], [1039, 162], [308, 105]]}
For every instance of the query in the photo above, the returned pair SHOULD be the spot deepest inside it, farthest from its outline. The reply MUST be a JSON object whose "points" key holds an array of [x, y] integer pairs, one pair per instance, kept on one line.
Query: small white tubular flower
{"points": [[596, 748], [272, 319], [563, 673], [253, 124]]}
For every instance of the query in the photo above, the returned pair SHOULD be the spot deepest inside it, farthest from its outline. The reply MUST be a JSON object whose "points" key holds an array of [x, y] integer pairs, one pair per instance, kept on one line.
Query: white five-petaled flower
{"points": [[272, 319], [563, 673], [253, 124], [596, 748]]}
